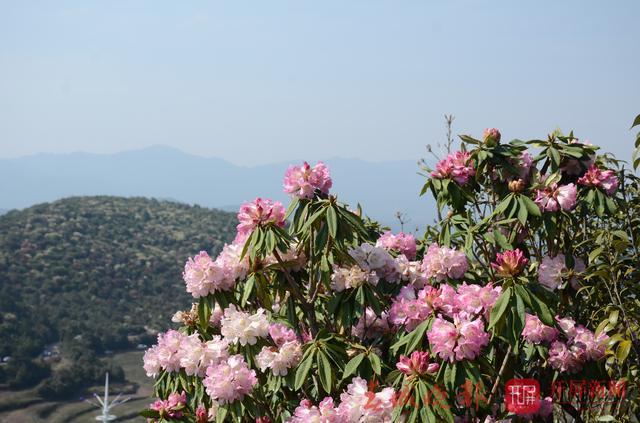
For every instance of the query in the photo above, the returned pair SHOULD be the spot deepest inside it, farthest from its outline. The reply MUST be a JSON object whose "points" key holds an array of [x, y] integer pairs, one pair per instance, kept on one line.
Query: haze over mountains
{"points": [[383, 188]]}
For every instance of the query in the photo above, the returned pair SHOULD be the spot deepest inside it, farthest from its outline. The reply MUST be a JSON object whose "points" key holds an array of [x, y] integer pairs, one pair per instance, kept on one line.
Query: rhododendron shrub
{"points": [[315, 313]]}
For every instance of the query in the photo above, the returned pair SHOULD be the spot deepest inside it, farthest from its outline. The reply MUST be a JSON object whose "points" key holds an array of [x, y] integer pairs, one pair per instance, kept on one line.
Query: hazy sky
{"points": [[263, 81]]}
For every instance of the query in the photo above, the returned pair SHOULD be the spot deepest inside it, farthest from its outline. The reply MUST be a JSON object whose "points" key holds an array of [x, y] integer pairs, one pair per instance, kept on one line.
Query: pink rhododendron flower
{"points": [[377, 259], [474, 299], [510, 263], [359, 404], [446, 300], [568, 326], [582, 345], [411, 272], [203, 276], [230, 380], [281, 333], [457, 166], [461, 340], [417, 363], [591, 347], [370, 325], [551, 270], [260, 212], [171, 407], [199, 275], [563, 358], [303, 181], [306, 412], [196, 356], [402, 243], [408, 310], [537, 332], [556, 197], [441, 263], [598, 178], [280, 359], [244, 328], [165, 355], [352, 277]]}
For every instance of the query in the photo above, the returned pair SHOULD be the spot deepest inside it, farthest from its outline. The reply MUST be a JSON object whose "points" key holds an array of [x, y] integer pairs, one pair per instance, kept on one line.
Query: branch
{"points": [[494, 388]]}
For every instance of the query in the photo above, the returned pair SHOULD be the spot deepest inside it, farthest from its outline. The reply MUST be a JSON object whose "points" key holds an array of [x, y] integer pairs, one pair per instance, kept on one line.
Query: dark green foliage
{"points": [[98, 267]]}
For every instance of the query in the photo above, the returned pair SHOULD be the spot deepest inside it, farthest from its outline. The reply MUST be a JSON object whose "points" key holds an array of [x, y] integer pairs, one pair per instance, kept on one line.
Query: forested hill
{"points": [[104, 268]]}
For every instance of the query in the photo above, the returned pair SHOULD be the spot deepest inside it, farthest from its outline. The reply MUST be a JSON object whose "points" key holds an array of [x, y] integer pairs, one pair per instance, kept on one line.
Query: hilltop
{"points": [[94, 272]]}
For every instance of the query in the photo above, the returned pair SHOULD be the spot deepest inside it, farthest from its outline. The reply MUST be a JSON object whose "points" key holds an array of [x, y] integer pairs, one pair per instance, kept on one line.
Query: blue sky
{"points": [[264, 81]]}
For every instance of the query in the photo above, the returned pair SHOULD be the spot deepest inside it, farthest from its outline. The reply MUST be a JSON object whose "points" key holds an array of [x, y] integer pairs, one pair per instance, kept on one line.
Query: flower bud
{"points": [[516, 186], [491, 137], [510, 263]]}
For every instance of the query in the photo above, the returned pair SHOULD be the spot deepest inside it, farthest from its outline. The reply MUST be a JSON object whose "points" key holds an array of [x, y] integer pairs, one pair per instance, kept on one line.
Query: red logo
{"points": [[522, 396]]}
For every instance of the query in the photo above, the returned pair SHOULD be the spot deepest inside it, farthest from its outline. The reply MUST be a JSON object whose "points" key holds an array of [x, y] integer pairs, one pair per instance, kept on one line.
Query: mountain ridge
{"points": [[161, 171]]}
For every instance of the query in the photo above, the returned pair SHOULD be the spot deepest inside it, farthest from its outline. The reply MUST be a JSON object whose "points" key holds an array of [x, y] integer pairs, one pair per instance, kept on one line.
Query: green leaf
{"points": [[204, 313], [498, 309], [332, 221], [248, 289], [376, 365], [150, 414], [623, 350], [541, 310], [417, 334], [302, 371], [324, 371], [555, 155], [636, 121], [352, 365], [522, 213], [292, 207], [532, 207], [595, 254]]}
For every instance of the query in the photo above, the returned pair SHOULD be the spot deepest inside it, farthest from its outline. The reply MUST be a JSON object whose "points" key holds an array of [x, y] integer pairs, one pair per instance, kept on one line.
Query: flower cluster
{"points": [[376, 259], [204, 276], [598, 178], [402, 243], [286, 353], [281, 358], [457, 166], [259, 212], [459, 340], [172, 407], [411, 272], [581, 345], [230, 380], [175, 351], [410, 310], [553, 269], [441, 263], [556, 197], [303, 181], [357, 404], [536, 332], [243, 328], [352, 277]]}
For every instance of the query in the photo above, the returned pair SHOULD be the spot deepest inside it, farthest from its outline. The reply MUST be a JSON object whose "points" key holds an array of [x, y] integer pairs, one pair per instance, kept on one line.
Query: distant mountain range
{"points": [[383, 188]]}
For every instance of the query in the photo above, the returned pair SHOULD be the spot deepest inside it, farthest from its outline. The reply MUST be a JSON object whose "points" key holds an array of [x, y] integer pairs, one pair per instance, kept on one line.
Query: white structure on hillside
{"points": [[104, 403]]}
